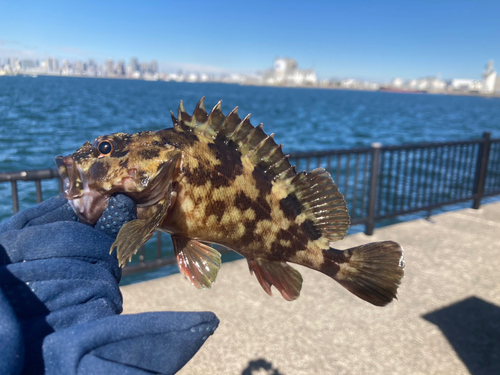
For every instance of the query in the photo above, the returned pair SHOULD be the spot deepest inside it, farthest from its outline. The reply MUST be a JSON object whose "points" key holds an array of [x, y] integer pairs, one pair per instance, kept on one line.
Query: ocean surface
{"points": [[47, 116]]}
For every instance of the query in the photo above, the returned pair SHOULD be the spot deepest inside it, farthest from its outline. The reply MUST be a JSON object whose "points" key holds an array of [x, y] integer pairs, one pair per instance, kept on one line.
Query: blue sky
{"points": [[375, 40]]}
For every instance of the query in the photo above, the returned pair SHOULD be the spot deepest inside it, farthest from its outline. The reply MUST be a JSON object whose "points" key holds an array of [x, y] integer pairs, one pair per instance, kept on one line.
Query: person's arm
{"points": [[60, 301]]}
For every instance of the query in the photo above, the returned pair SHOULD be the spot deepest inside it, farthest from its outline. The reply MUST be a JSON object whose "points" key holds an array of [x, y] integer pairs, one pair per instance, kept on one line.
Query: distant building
{"points": [[489, 78], [286, 72], [460, 84], [134, 65], [110, 67], [433, 84], [28, 64], [66, 68], [92, 68], [153, 67], [397, 82], [120, 68], [52, 65], [79, 68]]}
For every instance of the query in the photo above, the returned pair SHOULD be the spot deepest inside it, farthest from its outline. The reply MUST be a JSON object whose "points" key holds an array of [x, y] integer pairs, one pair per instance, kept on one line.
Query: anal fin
{"points": [[284, 277], [197, 261]]}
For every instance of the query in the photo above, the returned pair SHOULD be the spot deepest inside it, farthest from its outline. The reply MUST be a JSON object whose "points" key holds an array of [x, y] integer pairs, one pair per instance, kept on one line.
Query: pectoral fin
{"points": [[197, 261], [152, 206], [136, 233]]}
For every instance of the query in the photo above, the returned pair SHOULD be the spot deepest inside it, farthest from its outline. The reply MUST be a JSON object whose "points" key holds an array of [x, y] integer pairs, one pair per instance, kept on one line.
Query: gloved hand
{"points": [[59, 300]]}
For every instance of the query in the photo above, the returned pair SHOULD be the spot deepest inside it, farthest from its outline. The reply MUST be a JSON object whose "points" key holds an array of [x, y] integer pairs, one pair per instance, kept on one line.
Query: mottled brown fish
{"points": [[219, 180]]}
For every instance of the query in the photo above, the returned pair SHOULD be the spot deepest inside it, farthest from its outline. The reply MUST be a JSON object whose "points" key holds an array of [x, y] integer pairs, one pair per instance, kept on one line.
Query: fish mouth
{"points": [[87, 203]]}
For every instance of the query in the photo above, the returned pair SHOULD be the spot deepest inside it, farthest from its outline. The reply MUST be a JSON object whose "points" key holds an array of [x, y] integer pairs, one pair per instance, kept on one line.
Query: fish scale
{"points": [[216, 179]]}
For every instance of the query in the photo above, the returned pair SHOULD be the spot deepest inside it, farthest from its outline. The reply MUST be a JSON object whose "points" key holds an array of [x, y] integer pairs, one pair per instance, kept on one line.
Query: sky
{"points": [[372, 40]]}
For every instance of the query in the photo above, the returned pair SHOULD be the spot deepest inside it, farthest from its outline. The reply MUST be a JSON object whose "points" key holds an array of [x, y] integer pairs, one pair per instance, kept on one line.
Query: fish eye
{"points": [[105, 148]]}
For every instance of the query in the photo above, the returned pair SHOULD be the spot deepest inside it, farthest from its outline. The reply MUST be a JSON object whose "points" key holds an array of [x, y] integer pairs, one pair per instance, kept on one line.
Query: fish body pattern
{"points": [[216, 179]]}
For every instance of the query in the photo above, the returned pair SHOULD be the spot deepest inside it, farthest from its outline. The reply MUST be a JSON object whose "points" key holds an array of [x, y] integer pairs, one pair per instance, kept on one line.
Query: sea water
{"points": [[47, 116]]}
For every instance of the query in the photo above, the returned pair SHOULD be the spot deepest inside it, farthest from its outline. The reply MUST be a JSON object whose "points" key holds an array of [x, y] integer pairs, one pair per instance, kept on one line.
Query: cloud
{"points": [[5, 41], [17, 50], [17, 53]]}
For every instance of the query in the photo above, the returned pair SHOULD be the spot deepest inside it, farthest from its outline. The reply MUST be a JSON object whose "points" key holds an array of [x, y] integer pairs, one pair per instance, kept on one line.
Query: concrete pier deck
{"points": [[446, 320]]}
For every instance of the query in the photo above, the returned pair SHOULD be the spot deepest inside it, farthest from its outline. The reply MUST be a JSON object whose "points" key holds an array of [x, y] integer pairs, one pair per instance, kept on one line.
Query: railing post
{"points": [[481, 170], [38, 184], [372, 197], [15, 196]]}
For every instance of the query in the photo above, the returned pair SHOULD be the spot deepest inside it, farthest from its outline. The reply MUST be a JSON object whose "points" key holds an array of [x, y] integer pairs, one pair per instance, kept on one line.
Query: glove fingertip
{"points": [[120, 210]]}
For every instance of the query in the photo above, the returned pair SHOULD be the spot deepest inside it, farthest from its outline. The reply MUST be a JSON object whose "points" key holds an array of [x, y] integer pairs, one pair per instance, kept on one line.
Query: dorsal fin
{"points": [[321, 202], [314, 195], [239, 134]]}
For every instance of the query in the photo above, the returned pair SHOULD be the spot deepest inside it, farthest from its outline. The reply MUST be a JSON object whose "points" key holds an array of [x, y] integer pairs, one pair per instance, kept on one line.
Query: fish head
{"points": [[111, 164]]}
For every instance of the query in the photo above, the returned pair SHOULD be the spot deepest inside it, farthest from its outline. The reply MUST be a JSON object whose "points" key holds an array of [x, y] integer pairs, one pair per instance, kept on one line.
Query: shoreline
{"points": [[451, 93]]}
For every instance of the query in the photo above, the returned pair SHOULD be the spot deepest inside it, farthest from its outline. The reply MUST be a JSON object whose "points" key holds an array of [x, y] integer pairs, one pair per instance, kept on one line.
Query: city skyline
{"points": [[284, 72], [363, 40]]}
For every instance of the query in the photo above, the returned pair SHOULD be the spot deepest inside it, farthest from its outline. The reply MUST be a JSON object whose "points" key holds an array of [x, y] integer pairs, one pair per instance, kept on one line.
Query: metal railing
{"points": [[378, 183]]}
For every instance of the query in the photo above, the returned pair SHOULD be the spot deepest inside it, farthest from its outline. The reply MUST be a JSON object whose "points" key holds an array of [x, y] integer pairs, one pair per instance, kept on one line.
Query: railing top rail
{"points": [[29, 175], [431, 144], [305, 154], [409, 146]]}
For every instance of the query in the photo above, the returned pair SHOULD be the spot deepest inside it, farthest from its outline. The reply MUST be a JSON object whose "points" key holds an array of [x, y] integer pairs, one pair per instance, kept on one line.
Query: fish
{"points": [[217, 179]]}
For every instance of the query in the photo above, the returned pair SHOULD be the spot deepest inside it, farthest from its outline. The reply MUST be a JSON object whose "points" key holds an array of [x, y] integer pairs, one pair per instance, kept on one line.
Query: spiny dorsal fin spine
{"points": [[230, 123], [183, 118], [250, 135], [242, 131], [215, 120], [264, 149], [252, 141], [278, 167], [174, 120], [268, 147], [200, 114], [287, 174], [259, 145], [275, 150]]}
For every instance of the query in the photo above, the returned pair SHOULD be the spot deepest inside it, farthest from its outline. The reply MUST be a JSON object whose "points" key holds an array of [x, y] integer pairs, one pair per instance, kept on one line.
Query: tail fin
{"points": [[373, 271]]}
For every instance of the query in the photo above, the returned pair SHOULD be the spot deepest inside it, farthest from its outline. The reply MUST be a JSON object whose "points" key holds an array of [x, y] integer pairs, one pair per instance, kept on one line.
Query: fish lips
{"points": [[88, 204]]}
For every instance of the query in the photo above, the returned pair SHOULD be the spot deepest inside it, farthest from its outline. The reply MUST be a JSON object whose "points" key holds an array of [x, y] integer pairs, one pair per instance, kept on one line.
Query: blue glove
{"points": [[60, 301]]}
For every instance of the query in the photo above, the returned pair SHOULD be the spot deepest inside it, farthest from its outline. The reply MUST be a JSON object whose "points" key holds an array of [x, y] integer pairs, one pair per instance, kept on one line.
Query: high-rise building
{"points": [[14, 64], [65, 67], [110, 67], [153, 67], [78, 67], [52, 64], [27, 64], [120, 68], [91, 68], [134, 64], [144, 68]]}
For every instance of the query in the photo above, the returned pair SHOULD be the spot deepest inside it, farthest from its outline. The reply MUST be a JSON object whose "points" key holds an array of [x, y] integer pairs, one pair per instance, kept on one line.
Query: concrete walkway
{"points": [[446, 321]]}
